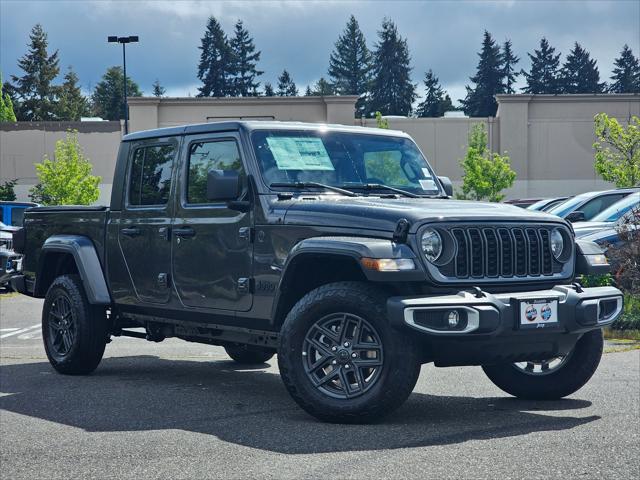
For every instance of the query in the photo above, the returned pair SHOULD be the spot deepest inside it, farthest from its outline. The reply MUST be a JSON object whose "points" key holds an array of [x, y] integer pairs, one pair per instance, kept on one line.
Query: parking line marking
{"points": [[17, 332]]}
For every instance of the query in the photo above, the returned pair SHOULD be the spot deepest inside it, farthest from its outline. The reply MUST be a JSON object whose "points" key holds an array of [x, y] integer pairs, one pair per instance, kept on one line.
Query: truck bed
{"points": [[42, 222]]}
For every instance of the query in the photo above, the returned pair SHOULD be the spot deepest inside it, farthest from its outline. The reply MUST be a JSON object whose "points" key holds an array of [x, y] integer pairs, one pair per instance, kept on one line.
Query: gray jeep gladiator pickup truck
{"points": [[335, 247]]}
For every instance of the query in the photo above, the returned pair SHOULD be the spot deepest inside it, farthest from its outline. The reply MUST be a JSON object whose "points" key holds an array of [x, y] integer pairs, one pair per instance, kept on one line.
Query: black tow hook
{"points": [[577, 287], [478, 293]]}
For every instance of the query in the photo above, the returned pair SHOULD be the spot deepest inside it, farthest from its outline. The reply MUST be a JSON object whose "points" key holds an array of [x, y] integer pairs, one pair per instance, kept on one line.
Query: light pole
{"points": [[124, 41]]}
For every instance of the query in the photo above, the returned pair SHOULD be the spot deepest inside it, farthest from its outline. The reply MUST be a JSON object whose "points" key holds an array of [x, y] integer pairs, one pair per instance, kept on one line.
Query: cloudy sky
{"points": [[299, 35]]}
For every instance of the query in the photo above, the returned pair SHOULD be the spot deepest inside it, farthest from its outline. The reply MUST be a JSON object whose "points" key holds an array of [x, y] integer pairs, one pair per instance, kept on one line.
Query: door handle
{"points": [[130, 232], [184, 232]]}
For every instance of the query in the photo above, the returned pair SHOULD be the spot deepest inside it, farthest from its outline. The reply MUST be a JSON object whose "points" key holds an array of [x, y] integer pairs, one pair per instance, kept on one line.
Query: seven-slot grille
{"points": [[501, 252]]}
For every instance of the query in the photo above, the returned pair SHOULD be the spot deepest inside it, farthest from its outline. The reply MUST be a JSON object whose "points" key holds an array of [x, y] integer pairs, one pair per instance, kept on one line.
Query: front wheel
{"points": [[340, 359], [74, 331], [553, 378]]}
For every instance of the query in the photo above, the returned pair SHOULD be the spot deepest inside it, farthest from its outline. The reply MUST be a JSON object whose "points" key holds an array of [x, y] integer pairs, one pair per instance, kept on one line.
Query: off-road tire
{"points": [[401, 361], [570, 377], [90, 328], [248, 354]]}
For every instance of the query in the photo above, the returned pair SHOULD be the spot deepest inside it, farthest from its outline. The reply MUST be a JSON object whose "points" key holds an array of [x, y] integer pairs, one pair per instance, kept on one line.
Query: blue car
{"points": [[12, 213]]}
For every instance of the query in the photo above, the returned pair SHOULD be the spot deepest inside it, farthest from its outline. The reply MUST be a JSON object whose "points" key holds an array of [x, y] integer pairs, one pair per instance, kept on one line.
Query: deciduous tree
{"points": [[486, 174], [6, 105], [67, 179], [617, 151]]}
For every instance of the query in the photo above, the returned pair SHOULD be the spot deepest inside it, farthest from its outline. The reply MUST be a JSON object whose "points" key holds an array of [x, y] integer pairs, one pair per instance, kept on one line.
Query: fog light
{"points": [[453, 319]]}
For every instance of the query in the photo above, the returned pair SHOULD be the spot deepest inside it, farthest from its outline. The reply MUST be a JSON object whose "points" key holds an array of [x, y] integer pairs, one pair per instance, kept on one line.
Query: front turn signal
{"points": [[388, 264]]}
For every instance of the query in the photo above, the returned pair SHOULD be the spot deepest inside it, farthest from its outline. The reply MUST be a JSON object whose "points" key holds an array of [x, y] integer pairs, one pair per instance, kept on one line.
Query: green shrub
{"points": [[630, 318]]}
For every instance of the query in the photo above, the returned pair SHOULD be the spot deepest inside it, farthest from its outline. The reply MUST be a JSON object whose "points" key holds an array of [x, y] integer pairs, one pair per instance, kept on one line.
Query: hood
{"points": [[383, 213], [587, 228]]}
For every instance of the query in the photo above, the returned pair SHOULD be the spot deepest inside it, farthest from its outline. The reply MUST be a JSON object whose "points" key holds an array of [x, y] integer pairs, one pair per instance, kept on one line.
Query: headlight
{"points": [[557, 243], [431, 244]]}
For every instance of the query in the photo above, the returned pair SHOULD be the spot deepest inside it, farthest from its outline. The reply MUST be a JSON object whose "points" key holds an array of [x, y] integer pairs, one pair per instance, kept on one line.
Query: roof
{"points": [[251, 125]]}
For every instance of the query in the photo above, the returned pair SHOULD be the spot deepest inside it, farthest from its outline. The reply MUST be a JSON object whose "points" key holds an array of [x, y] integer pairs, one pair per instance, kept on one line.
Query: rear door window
{"points": [[150, 175]]}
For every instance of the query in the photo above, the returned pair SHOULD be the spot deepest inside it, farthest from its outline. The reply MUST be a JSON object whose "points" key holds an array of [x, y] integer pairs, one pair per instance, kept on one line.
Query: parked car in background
{"points": [[610, 217], [12, 213], [587, 205], [522, 202], [10, 262], [546, 204]]}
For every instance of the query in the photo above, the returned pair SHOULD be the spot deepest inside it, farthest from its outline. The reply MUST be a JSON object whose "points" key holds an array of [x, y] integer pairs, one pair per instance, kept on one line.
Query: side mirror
{"points": [[447, 185], [576, 216], [223, 185]]}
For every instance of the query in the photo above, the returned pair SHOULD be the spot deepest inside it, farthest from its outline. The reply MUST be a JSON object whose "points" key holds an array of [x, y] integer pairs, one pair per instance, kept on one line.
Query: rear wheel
{"points": [[553, 378], [248, 354], [340, 359], [74, 331]]}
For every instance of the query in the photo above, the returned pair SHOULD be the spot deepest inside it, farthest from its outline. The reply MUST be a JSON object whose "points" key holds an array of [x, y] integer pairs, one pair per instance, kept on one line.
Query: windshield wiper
{"points": [[380, 186], [313, 185]]}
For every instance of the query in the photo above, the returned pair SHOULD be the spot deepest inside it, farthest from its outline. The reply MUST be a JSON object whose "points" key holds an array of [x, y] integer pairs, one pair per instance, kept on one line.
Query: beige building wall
{"points": [[148, 113], [23, 144], [549, 138]]}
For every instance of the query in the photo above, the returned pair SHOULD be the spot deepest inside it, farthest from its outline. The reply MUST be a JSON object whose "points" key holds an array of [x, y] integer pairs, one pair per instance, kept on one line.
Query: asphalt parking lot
{"points": [[180, 410]]}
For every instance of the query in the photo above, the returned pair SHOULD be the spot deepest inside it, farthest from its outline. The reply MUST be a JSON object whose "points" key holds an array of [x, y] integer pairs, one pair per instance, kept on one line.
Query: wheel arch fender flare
{"points": [[84, 253], [352, 249]]}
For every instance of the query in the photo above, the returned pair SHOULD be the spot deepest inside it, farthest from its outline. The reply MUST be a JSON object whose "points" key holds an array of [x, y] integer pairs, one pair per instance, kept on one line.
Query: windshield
{"points": [[618, 209], [343, 159], [568, 205]]}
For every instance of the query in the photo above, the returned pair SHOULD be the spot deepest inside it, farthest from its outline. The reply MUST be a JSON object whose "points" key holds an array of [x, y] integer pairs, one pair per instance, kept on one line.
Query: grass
{"points": [[611, 334]]}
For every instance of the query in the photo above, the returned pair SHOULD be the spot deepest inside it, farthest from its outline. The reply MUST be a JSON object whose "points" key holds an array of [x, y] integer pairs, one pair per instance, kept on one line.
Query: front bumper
{"points": [[491, 332]]}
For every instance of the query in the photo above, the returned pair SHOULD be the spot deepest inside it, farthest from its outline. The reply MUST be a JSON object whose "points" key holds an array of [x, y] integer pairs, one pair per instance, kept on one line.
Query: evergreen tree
{"points": [[321, 88], [392, 92], [107, 97], [480, 100], [72, 104], [158, 90], [36, 94], [350, 63], [308, 92], [216, 67], [626, 74], [268, 90], [435, 102], [245, 59], [579, 73], [509, 61], [6, 105], [543, 75], [286, 86]]}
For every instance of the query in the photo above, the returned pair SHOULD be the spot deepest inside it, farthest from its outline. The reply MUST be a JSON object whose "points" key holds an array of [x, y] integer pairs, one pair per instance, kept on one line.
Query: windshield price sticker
{"points": [[428, 185], [299, 153]]}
